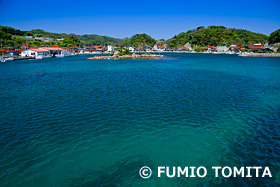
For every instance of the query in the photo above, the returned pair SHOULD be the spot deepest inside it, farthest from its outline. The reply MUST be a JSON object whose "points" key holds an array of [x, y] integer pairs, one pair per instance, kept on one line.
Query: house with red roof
{"points": [[256, 47], [209, 49], [160, 48], [182, 48], [8, 49], [24, 46], [55, 50], [73, 49], [35, 53], [236, 49]]}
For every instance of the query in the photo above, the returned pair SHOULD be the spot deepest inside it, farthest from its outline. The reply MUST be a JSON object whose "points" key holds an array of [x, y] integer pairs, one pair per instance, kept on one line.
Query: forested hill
{"points": [[91, 38], [7, 39], [216, 35], [95, 37], [212, 35], [274, 37], [141, 40]]}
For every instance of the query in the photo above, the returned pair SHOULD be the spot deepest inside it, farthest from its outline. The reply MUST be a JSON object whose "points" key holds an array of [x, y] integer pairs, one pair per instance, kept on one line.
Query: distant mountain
{"points": [[141, 40], [216, 35]]}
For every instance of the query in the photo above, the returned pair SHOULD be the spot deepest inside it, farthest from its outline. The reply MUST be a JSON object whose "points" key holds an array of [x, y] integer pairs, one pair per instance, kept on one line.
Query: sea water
{"points": [[77, 122]]}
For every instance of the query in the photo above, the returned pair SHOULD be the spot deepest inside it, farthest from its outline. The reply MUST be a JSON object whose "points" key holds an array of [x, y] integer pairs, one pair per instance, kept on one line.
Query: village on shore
{"points": [[26, 52]]}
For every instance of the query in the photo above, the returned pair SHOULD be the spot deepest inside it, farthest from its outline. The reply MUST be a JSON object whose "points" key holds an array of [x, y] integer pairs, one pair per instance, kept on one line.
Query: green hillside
{"points": [[216, 35], [71, 39], [274, 37], [141, 40], [104, 39]]}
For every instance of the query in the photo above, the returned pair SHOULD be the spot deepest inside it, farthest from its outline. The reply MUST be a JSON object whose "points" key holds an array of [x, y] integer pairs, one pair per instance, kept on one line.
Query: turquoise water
{"points": [[79, 122]]}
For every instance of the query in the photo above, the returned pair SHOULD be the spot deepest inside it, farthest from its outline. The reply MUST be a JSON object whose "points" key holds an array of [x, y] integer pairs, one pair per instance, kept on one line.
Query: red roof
{"points": [[160, 47], [204, 48], [211, 47], [238, 47], [2, 50], [33, 48], [73, 47], [39, 50], [257, 47], [53, 48], [7, 47], [24, 44]]}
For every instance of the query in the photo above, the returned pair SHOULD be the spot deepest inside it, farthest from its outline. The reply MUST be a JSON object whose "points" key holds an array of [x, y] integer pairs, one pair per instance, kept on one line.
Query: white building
{"points": [[110, 48], [160, 48], [34, 53], [131, 49]]}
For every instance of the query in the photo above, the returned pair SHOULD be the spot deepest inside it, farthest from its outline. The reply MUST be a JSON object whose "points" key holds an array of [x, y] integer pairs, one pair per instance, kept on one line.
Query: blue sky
{"points": [[160, 19]]}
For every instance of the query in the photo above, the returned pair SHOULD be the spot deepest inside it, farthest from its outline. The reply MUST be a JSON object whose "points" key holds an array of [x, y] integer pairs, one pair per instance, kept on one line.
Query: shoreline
{"points": [[259, 55]]}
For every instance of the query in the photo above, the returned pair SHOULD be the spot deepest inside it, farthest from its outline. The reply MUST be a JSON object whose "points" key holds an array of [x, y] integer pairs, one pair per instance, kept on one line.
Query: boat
{"points": [[38, 57], [59, 56]]}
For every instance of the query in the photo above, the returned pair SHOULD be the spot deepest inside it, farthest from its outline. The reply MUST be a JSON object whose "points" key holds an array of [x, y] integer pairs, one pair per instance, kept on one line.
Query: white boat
{"points": [[38, 57], [59, 56]]}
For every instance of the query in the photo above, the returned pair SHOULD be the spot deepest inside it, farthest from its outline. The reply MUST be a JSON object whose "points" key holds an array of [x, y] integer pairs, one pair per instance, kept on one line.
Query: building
{"points": [[212, 48], [131, 49], [222, 49], [110, 48], [34, 53], [182, 48], [8, 49], [256, 47], [73, 49], [55, 50], [160, 48], [169, 49], [208, 49], [237, 49], [24, 46]]}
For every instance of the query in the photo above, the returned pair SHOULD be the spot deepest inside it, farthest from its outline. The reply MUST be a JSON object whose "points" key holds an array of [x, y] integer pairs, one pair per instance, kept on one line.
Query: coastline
{"points": [[259, 55]]}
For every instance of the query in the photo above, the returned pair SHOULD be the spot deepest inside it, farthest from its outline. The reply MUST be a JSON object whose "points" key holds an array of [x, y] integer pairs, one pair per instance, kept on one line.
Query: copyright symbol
{"points": [[145, 172]]}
